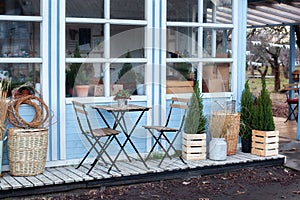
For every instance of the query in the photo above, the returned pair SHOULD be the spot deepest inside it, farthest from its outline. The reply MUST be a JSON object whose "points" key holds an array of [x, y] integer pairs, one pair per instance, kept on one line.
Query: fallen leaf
{"points": [[292, 149], [186, 183], [205, 182]]}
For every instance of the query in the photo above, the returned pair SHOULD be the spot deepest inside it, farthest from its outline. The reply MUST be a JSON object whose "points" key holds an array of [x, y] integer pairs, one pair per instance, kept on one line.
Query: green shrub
{"points": [[246, 112], [262, 111], [195, 120]]}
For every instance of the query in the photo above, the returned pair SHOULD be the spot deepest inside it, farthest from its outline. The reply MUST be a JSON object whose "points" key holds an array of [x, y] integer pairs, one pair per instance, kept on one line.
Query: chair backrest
{"points": [[178, 103], [82, 116]]}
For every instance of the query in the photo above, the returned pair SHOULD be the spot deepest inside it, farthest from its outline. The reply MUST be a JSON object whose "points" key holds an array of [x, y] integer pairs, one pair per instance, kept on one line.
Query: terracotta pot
{"points": [[82, 90]]}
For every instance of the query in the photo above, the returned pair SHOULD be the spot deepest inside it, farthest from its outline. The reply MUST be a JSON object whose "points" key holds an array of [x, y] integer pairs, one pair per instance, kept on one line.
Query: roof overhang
{"points": [[273, 12]]}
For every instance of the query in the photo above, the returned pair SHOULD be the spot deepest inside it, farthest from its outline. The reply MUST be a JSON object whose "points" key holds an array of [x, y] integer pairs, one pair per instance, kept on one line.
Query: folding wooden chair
{"points": [[291, 100], [93, 136], [177, 103]]}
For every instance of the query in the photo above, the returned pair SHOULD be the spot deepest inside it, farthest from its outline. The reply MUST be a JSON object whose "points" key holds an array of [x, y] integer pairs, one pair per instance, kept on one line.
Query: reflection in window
{"points": [[127, 38], [181, 42], [129, 9], [221, 44], [216, 77], [20, 73], [88, 37], [185, 11], [218, 11], [20, 7], [89, 8], [19, 39], [180, 77], [129, 76]]}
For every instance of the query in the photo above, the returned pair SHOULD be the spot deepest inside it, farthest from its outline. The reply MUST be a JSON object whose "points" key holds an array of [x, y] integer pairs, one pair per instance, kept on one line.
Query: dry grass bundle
{"points": [[222, 124], [226, 125], [4, 85]]}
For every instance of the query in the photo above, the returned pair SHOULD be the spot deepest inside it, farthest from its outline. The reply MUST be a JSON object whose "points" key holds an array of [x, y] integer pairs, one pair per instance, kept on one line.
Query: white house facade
{"points": [[168, 43]]}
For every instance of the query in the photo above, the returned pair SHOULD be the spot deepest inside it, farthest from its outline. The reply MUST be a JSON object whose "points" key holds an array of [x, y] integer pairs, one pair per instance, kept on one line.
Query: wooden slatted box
{"points": [[265, 143], [194, 146]]}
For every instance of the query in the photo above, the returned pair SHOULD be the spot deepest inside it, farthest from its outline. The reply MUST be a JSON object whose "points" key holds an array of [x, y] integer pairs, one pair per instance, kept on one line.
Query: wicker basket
{"points": [[27, 151], [226, 125]]}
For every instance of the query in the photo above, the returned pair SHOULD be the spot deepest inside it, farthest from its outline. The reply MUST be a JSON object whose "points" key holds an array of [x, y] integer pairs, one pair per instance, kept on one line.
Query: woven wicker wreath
{"points": [[41, 110]]}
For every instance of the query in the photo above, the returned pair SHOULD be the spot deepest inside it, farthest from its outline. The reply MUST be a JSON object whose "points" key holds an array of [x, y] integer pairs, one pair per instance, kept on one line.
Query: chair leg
{"points": [[169, 148], [155, 143], [86, 155], [292, 113], [103, 150]]}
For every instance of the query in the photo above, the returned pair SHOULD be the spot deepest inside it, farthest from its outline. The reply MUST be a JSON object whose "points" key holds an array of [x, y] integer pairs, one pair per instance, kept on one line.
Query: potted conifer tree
{"points": [[264, 137], [194, 135], [246, 118]]}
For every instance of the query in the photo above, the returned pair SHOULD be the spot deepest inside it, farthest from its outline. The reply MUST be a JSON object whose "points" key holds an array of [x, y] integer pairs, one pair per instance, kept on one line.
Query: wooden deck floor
{"points": [[60, 179]]}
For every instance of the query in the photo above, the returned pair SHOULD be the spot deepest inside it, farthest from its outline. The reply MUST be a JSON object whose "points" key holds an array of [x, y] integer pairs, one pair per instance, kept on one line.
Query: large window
{"points": [[106, 45], [20, 42], [196, 46]]}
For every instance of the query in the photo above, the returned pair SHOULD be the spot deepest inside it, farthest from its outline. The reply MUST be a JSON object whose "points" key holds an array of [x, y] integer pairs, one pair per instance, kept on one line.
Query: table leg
{"points": [[128, 135]]}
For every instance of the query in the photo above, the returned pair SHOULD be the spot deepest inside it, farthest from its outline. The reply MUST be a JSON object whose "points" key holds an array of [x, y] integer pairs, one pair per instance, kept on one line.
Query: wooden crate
{"points": [[194, 146], [174, 86], [265, 143], [99, 90]]}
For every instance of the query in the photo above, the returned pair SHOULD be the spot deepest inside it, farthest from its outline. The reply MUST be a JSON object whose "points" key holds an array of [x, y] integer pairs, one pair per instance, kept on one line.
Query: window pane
{"points": [[129, 9], [88, 37], [20, 7], [180, 77], [128, 76], [87, 8], [216, 42], [19, 39], [20, 73], [216, 77], [178, 10], [218, 11], [82, 74], [181, 42], [127, 38]]}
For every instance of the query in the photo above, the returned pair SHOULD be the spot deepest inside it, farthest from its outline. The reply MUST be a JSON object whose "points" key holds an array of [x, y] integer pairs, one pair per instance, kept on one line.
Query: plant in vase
{"points": [[122, 97], [264, 137], [82, 83], [246, 118], [194, 135]]}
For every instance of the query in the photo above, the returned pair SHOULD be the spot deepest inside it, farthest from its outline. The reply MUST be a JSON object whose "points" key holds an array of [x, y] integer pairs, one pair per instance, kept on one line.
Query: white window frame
{"points": [[200, 59], [107, 60]]}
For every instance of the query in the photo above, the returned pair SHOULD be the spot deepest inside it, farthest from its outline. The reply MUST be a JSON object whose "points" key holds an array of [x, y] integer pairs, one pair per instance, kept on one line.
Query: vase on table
{"points": [[122, 102]]}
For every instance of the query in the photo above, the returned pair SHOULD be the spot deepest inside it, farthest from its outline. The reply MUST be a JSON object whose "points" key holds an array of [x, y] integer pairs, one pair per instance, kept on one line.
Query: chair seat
{"points": [[292, 100], [161, 128], [100, 132]]}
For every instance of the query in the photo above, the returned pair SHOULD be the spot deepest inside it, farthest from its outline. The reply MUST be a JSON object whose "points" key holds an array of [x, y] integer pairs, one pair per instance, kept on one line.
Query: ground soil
{"points": [[259, 183]]}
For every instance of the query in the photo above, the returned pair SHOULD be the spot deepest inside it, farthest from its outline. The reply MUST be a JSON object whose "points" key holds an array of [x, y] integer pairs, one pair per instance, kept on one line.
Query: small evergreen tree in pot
{"points": [[246, 118], [262, 111], [195, 120], [264, 136], [194, 135]]}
